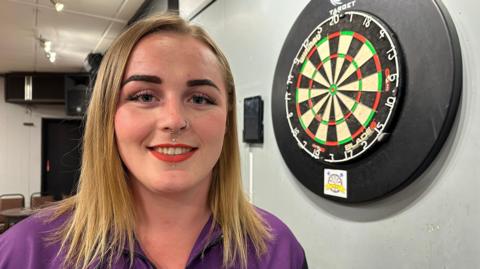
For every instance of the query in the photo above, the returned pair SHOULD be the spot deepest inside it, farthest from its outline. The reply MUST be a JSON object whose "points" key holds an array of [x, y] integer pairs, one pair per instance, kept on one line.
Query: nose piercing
{"points": [[185, 126], [174, 132]]}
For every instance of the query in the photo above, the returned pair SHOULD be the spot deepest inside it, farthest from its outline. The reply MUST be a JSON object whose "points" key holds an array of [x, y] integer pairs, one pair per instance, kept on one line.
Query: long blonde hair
{"points": [[101, 214]]}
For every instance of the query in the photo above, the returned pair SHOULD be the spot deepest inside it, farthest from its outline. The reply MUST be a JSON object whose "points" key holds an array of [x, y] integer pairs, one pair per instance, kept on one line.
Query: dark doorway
{"points": [[61, 156]]}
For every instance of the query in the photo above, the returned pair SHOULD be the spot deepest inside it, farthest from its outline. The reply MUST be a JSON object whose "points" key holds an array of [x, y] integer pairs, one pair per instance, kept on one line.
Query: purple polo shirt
{"points": [[24, 246]]}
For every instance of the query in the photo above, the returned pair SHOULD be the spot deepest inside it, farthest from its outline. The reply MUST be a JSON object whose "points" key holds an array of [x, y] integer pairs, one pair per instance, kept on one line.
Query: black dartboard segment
{"points": [[364, 95], [343, 86]]}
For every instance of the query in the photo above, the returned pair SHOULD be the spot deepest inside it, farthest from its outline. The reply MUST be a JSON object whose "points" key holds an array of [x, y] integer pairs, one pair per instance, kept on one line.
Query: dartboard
{"points": [[343, 86], [365, 94]]}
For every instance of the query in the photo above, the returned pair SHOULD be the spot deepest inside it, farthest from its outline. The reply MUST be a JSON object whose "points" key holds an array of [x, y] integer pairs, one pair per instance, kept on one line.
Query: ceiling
{"points": [[84, 26]]}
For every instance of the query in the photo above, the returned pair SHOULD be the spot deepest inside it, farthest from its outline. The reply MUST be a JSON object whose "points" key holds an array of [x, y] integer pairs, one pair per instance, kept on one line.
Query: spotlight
{"points": [[52, 56], [58, 6], [48, 48], [47, 45]]}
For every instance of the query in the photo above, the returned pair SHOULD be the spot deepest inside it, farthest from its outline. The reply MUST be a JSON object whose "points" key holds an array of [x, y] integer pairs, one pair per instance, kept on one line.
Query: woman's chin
{"points": [[174, 185]]}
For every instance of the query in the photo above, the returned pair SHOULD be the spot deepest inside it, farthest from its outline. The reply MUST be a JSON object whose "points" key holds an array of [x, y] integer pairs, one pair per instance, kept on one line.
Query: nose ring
{"points": [[186, 124], [174, 132]]}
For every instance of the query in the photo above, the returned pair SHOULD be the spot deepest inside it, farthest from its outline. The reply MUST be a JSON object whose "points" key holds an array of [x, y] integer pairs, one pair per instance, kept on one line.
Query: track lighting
{"points": [[47, 46], [51, 56], [58, 6]]}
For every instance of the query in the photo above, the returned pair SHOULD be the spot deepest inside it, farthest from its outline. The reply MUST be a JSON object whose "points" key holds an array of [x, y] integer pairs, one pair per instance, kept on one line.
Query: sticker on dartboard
{"points": [[335, 183]]}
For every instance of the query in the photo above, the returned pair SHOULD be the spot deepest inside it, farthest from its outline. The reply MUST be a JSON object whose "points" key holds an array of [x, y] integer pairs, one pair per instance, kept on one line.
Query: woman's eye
{"points": [[202, 100], [142, 97]]}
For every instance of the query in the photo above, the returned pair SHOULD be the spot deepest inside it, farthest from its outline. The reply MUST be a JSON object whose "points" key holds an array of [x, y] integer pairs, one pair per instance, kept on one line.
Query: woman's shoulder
{"points": [[39, 221], [30, 242], [284, 250], [277, 227]]}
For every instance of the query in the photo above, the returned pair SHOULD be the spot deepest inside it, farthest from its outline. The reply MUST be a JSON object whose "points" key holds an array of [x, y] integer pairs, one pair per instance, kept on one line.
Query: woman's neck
{"points": [[163, 210], [167, 225]]}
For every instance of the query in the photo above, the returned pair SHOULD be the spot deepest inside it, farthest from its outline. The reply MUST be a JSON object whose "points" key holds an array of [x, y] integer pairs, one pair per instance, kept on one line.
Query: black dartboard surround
{"points": [[415, 108]]}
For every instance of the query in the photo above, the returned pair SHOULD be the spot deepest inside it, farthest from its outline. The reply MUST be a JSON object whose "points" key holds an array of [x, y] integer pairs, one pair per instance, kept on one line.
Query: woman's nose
{"points": [[173, 119]]}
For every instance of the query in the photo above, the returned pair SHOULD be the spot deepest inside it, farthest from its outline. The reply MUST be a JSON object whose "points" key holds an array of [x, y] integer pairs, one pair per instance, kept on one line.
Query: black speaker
{"points": [[77, 94], [92, 62], [253, 119]]}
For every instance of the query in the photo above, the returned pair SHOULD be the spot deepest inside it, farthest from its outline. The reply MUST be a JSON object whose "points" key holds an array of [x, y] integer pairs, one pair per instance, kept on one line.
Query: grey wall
{"points": [[433, 223]]}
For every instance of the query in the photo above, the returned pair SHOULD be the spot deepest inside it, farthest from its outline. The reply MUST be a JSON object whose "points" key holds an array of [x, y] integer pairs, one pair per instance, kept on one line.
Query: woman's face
{"points": [[171, 115]]}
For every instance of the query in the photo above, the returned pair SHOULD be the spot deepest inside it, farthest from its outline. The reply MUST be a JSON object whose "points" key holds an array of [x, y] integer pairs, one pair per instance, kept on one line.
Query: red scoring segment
{"points": [[332, 36]]}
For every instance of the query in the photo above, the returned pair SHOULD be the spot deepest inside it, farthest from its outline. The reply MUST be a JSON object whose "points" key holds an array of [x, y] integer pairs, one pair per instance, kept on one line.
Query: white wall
{"points": [[20, 146], [433, 223]]}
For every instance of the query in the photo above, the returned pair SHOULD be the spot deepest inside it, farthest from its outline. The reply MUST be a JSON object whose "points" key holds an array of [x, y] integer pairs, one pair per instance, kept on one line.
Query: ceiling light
{"points": [[58, 6], [47, 45], [52, 56], [48, 48]]}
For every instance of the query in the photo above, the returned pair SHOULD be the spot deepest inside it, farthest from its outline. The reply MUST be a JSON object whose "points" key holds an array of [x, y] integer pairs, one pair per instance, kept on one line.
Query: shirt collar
{"points": [[207, 238]]}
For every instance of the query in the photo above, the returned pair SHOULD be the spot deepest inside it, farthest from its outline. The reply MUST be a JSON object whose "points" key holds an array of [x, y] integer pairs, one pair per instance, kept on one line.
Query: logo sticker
{"points": [[336, 2], [335, 183], [340, 6]]}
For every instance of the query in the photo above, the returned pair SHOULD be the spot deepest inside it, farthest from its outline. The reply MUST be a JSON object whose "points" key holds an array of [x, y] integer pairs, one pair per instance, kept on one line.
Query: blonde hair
{"points": [[101, 214]]}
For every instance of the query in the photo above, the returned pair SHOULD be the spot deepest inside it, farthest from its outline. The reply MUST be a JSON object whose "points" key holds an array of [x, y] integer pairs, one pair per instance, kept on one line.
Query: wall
{"points": [[433, 223], [20, 146]]}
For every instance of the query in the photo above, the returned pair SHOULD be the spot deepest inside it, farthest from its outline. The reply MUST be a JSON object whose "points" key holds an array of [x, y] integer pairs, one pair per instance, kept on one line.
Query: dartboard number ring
{"points": [[343, 87]]}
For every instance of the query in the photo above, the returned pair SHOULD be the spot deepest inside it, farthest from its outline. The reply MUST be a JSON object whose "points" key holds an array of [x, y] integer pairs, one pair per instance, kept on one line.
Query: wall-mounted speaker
{"points": [[253, 119], [77, 94]]}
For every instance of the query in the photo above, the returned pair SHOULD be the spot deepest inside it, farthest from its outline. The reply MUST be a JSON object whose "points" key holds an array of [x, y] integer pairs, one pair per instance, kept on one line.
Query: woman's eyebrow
{"points": [[201, 82], [146, 78]]}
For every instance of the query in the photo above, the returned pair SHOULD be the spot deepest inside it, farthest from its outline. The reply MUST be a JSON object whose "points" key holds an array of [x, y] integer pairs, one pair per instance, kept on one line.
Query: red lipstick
{"points": [[172, 158]]}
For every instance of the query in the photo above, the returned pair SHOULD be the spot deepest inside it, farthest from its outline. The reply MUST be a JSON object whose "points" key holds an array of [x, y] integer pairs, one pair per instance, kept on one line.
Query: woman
{"points": [[160, 182]]}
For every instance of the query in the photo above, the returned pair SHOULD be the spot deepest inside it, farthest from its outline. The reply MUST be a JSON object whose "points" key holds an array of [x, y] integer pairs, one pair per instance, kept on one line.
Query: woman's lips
{"points": [[172, 153]]}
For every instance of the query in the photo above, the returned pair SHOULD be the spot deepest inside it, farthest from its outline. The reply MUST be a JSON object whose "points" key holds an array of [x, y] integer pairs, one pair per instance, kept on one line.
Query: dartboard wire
{"points": [[321, 133], [317, 80], [323, 50], [308, 116], [358, 73], [300, 60], [344, 42], [390, 40], [370, 83], [362, 113], [296, 61], [342, 128], [310, 71], [365, 53], [327, 111], [304, 94], [343, 132]]}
